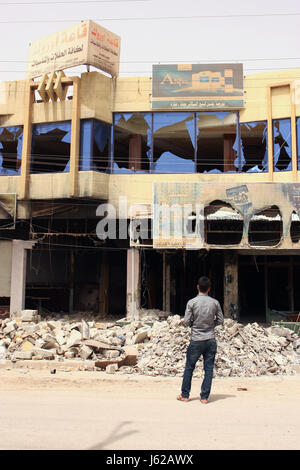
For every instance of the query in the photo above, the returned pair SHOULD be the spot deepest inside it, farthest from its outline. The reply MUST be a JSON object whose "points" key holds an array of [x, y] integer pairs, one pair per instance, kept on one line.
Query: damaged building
{"points": [[69, 145]]}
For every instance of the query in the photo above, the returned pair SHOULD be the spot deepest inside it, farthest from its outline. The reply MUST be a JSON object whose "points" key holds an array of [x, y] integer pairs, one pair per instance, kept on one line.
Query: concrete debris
{"points": [[111, 368], [243, 350], [29, 316], [60, 340], [153, 345]]}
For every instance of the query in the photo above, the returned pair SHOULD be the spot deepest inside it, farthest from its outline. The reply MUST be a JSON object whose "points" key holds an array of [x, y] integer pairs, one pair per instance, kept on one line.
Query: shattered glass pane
{"points": [[94, 145], [11, 139], [50, 150], [282, 153], [254, 146], [174, 142], [132, 142], [217, 142]]}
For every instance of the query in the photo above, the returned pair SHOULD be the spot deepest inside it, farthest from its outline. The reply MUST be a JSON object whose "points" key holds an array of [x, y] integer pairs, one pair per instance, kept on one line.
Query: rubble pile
{"points": [[27, 338], [243, 350], [156, 344]]}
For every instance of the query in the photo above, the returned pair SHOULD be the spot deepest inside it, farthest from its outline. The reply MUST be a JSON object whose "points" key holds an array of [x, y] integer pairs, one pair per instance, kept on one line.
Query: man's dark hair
{"points": [[204, 284]]}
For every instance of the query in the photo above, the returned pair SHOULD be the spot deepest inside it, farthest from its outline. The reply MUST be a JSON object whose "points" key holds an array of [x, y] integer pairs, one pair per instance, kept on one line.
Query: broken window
{"points": [[174, 142], [94, 145], [11, 139], [223, 224], [51, 144], [282, 147], [132, 142], [265, 228], [217, 142], [254, 146]]}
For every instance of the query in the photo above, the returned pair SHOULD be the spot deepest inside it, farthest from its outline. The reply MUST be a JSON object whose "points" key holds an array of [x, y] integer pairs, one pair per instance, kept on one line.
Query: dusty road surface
{"points": [[94, 410]]}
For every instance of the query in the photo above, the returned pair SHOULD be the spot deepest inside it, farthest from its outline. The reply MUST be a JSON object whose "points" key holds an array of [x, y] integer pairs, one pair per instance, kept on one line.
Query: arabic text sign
{"points": [[84, 43], [196, 86]]}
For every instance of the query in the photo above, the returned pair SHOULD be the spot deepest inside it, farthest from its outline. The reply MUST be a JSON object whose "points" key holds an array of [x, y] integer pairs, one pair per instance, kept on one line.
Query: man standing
{"points": [[203, 314]]}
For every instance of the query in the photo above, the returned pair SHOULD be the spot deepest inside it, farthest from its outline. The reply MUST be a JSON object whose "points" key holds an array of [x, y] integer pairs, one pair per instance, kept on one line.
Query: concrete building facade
{"points": [[70, 145]]}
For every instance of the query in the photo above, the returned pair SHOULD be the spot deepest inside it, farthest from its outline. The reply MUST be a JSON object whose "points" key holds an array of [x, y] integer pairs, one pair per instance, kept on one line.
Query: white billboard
{"points": [[86, 43]]}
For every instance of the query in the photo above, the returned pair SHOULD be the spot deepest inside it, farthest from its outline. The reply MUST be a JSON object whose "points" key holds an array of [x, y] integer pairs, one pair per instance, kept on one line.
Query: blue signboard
{"points": [[195, 86]]}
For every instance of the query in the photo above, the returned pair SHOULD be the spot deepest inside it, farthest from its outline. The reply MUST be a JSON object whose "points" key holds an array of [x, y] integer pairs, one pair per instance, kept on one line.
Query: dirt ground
{"points": [[94, 410]]}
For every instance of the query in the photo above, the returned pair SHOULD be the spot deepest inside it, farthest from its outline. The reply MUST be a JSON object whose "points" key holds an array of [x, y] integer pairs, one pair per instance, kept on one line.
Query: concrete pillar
{"points": [[133, 283], [18, 275], [135, 152], [229, 152], [231, 292]]}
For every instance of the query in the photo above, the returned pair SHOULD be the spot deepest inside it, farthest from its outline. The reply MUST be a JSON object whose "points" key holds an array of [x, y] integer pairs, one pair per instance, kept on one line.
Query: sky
{"points": [[161, 31]]}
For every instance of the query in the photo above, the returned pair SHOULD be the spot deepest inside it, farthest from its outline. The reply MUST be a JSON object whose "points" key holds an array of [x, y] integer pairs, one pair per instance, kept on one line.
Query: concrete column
{"points": [[231, 292], [18, 275], [133, 283], [229, 153], [135, 152]]}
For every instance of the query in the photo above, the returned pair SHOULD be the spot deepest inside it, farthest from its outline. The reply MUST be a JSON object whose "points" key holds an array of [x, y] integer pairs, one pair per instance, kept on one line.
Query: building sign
{"points": [[195, 86], [86, 43]]}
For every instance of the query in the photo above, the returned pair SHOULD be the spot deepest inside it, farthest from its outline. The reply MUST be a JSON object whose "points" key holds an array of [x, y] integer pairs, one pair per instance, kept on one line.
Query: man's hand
{"points": [[181, 322]]}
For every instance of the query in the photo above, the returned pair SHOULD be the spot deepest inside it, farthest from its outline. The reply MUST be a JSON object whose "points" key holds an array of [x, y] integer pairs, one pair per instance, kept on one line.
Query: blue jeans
{"points": [[208, 349]]}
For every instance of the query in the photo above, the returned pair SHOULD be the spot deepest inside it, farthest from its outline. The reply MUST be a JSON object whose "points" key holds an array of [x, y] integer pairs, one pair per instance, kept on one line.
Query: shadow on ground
{"points": [[115, 435], [214, 397]]}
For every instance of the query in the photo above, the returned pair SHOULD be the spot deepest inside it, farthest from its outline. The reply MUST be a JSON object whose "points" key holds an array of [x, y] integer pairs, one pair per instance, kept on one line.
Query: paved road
{"points": [[87, 410]]}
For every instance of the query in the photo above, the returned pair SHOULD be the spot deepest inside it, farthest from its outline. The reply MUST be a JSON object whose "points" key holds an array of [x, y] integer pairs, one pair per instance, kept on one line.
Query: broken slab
{"points": [[140, 336], [22, 355], [131, 355], [44, 353], [92, 343]]}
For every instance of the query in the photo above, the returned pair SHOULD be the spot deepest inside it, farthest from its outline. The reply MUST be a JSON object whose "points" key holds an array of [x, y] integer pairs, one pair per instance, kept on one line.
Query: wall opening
{"points": [[217, 142], [50, 151], [132, 142], [223, 224], [251, 281], [282, 145], [94, 145], [173, 143], [266, 228], [295, 228], [11, 139], [254, 146]]}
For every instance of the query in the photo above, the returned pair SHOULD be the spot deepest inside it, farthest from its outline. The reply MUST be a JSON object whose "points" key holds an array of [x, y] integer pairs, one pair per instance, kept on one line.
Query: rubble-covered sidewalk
{"points": [[154, 345]]}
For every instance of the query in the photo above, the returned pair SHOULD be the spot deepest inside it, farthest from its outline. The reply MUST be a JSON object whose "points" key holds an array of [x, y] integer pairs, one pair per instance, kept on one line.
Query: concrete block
{"points": [[29, 315], [85, 352], [111, 354], [111, 368], [140, 336], [131, 354], [60, 338], [26, 346], [85, 330], [10, 327], [74, 338]]}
